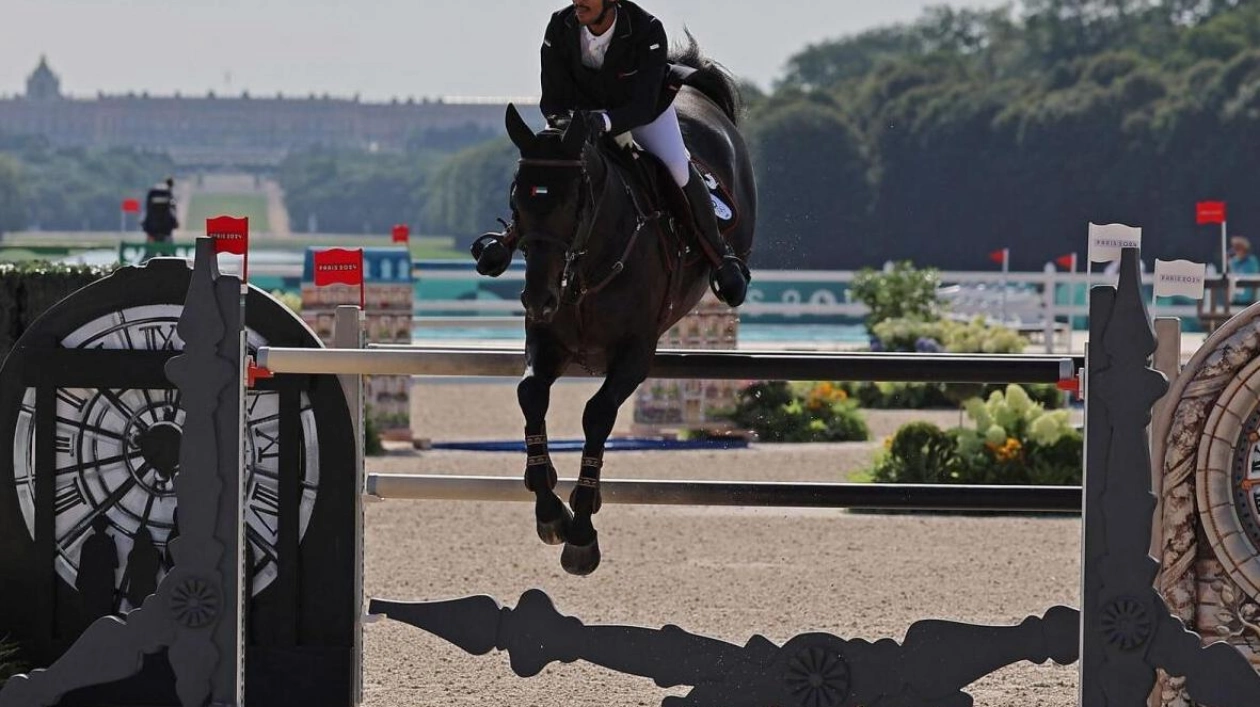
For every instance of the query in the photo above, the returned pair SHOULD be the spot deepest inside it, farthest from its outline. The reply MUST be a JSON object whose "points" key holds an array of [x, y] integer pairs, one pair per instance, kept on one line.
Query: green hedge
{"points": [[28, 289], [944, 396]]}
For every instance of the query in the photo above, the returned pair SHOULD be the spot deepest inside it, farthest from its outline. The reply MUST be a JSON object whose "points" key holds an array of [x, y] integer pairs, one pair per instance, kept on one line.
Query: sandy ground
{"points": [[724, 573]]}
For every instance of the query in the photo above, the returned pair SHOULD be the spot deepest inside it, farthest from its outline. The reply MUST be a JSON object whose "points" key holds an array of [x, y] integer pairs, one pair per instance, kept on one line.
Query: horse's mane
{"points": [[711, 78]]}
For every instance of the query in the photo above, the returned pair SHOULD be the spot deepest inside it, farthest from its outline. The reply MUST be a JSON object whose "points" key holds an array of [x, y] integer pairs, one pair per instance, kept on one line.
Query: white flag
{"points": [[1179, 278], [1106, 241]]}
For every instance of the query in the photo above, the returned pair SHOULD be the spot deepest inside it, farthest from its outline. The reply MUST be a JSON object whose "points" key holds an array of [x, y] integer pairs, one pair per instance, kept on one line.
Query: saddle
{"points": [[655, 189]]}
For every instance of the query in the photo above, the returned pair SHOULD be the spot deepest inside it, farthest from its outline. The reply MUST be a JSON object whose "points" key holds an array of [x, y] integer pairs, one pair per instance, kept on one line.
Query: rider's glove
{"points": [[596, 121]]}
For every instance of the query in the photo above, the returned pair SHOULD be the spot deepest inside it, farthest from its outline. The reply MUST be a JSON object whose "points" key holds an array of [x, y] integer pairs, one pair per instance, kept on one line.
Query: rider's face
{"points": [[590, 12]]}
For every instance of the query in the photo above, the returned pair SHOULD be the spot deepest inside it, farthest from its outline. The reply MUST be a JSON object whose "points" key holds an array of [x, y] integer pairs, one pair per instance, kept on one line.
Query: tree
{"points": [[470, 190], [12, 200], [813, 192]]}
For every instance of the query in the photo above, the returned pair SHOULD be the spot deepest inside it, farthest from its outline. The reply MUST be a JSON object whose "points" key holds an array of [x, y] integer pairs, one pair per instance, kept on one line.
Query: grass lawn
{"points": [[204, 206], [444, 250]]}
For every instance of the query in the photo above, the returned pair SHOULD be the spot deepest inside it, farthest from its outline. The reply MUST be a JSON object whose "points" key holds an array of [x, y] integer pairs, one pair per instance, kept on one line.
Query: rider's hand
{"points": [[596, 121]]}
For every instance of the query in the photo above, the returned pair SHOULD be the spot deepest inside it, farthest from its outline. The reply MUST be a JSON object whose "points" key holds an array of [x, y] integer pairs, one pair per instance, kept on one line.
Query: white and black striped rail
{"points": [[921, 497], [706, 364]]}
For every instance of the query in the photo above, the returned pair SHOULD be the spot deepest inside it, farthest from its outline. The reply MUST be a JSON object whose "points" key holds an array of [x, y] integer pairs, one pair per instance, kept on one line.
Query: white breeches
{"points": [[663, 138]]}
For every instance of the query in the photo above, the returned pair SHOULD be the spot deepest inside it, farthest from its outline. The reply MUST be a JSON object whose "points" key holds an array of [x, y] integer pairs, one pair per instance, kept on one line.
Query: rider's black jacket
{"points": [[636, 84]]}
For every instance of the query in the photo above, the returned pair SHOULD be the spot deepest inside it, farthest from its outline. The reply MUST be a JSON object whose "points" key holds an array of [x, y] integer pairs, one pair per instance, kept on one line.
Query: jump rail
{"points": [[922, 497], [724, 365]]}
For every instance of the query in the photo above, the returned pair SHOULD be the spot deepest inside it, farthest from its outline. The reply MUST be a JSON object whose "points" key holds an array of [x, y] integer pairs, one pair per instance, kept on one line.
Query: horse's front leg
{"points": [[544, 362], [626, 370]]}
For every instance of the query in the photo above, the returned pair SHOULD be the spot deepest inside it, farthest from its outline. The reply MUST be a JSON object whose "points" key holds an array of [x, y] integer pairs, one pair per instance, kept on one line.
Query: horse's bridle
{"points": [[574, 247]]}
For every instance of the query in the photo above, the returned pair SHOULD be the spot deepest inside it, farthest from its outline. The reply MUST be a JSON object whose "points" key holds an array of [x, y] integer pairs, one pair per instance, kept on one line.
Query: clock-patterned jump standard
{"points": [[88, 506], [1208, 453]]}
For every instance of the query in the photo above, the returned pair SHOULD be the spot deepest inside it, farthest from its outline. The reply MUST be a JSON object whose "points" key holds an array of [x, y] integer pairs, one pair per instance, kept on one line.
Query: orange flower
{"points": [[1009, 451], [824, 395]]}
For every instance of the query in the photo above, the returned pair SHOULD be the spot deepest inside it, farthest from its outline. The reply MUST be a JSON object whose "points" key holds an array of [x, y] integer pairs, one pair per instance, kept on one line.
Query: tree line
{"points": [[938, 140], [436, 191], [70, 189], [965, 131], [969, 131]]}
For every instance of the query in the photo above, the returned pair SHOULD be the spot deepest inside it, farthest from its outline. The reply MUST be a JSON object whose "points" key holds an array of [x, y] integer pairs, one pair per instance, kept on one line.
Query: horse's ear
{"points": [[520, 132], [575, 135]]}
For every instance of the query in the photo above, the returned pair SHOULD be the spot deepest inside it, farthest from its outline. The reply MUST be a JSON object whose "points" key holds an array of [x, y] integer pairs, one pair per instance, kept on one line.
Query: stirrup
{"points": [[743, 267], [721, 294]]}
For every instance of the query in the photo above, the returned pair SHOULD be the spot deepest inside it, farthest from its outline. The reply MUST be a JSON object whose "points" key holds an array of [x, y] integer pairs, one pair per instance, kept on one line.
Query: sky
{"points": [[378, 49]]}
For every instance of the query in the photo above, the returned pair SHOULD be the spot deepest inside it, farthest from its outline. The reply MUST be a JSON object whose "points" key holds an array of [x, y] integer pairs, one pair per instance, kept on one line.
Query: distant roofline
{"points": [[296, 97], [466, 100]]}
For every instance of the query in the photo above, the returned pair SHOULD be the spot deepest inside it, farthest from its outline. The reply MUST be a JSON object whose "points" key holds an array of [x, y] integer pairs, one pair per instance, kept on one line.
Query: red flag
{"points": [[340, 266], [1066, 262], [998, 256], [131, 206], [1209, 212], [401, 233], [231, 235]]}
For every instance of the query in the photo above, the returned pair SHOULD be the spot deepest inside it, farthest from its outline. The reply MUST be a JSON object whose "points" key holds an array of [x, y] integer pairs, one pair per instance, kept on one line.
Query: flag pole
{"points": [[1224, 249], [245, 260], [1006, 260], [1225, 274]]}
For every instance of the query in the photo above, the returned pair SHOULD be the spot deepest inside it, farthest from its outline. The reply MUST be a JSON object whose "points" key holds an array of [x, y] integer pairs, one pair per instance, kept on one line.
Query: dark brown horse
{"points": [[606, 274]]}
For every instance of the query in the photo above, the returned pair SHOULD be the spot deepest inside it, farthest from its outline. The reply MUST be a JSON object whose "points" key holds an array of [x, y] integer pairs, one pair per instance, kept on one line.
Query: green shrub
{"points": [[372, 446], [938, 396], [918, 453], [29, 288], [779, 412], [901, 292], [292, 300], [1013, 440], [947, 336]]}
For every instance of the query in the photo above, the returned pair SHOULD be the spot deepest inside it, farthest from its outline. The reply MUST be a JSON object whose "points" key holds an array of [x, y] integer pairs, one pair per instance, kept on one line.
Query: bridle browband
{"points": [[570, 245]]}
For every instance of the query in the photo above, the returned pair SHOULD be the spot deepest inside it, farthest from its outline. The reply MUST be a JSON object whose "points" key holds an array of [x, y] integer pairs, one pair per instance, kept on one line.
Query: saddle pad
{"points": [[723, 203]]}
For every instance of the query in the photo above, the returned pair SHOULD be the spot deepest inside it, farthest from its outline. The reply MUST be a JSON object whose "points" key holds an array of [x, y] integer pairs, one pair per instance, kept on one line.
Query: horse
{"points": [[605, 276]]}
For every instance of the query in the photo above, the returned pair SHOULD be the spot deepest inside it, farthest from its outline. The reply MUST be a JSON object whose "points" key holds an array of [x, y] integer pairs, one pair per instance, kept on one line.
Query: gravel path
{"points": [[722, 572]]}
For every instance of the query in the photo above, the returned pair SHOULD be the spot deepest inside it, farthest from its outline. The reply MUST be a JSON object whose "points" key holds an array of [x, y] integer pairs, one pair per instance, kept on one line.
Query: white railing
{"points": [[1022, 300]]}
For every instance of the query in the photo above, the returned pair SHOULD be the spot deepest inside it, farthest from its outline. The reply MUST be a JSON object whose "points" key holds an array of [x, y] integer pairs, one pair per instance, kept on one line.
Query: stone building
{"points": [[244, 129]]}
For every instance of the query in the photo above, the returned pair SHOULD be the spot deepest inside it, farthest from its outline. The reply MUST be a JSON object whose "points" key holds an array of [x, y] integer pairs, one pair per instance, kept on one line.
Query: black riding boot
{"points": [[730, 275], [493, 251]]}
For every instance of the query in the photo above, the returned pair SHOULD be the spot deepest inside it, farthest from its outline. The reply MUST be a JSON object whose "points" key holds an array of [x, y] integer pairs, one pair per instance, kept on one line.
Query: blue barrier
{"points": [[623, 444]]}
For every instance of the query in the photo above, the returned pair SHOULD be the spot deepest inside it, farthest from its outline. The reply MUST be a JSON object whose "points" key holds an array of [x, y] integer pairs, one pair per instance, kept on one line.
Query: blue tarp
{"points": [[614, 444]]}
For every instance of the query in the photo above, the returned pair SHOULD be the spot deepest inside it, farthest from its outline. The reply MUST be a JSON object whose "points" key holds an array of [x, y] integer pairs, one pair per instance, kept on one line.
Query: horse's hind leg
{"points": [[625, 372], [544, 361]]}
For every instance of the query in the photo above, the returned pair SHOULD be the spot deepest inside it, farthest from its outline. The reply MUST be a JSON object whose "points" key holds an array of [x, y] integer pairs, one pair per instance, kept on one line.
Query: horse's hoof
{"points": [[580, 560], [553, 520]]}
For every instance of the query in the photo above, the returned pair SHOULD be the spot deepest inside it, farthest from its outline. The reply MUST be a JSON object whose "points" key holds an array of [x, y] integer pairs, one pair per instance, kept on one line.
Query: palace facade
{"points": [[242, 130]]}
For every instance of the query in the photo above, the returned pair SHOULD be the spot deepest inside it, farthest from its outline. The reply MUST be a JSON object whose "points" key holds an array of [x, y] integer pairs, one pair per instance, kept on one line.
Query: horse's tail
{"points": [[711, 78]]}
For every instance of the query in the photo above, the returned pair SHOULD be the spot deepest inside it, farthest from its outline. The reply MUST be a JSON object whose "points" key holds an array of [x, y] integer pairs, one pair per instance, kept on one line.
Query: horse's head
{"points": [[547, 199]]}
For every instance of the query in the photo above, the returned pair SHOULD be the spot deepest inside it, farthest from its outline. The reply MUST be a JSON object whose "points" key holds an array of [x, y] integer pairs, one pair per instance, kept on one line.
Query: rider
{"points": [[605, 62], [159, 212]]}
